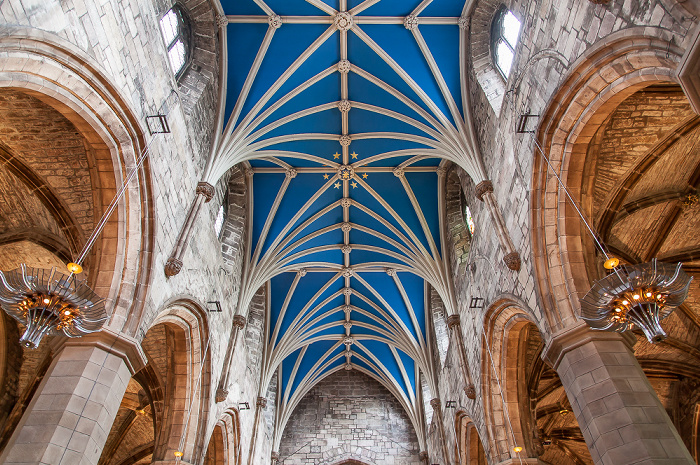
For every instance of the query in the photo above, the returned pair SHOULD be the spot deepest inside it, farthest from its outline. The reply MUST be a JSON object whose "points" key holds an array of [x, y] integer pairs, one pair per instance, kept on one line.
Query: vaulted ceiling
{"points": [[345, 111]]}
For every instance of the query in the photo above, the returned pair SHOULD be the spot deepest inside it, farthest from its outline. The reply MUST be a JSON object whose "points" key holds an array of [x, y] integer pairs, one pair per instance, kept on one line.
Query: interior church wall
{"points": [[553, 36], [349, 415], [123, 40]]}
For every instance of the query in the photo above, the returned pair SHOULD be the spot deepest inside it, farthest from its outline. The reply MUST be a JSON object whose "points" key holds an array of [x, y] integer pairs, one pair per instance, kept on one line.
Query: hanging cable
{"points": [[571, 199]]}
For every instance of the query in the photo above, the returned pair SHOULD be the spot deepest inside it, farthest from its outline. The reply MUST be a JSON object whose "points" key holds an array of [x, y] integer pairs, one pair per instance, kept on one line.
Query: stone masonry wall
{"points": [[553, 35], [349, 416]]}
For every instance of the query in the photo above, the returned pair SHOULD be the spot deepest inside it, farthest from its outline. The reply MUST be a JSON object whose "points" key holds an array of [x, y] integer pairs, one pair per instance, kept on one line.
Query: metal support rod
{"points": [[571, 199]]}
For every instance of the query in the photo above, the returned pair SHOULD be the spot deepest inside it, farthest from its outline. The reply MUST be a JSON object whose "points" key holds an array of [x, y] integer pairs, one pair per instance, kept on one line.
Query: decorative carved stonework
{"points": [[205, 189], [463, 22], [512, 261], [261, 402], [348, 366], [343, 21], [424, 457], [345, 140], [482, 188], [291, 173], [399, 172], [346, 227], [346, 249], [221, 395], [172, 267], [275, 21], [348, 272], [347, 325], [347, 291], [344, 66], [344, 106], [470, 391], [348, 341], [452, 321], [274, 458], [249, 172], [302, 272], [346, 172], [390, 271], [221, 21], [346, 202], [239, 321], [435, 404], [441, 172], [410, 22]]}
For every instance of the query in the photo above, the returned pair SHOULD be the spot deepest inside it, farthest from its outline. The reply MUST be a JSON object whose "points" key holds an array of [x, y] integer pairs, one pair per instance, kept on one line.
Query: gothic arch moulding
{"points": [[177, 347], [62, 76], [605, 75]]}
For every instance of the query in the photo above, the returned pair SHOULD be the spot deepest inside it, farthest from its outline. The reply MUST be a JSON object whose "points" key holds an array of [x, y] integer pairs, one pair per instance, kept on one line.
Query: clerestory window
{"points": [[219, 222], [505, 32], [175, 30]]}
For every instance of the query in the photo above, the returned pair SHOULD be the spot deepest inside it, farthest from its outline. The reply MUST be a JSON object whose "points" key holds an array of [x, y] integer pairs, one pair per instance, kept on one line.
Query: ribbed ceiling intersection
{"points": [[345, 111]]}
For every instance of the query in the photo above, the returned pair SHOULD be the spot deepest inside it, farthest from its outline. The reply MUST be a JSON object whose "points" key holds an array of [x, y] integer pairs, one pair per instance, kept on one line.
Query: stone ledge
{"points": [[574, 337]]}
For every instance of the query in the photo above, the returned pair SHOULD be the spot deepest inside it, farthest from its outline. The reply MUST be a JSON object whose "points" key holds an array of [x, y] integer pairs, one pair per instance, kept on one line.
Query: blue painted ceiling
{"points": [[346, 234]]}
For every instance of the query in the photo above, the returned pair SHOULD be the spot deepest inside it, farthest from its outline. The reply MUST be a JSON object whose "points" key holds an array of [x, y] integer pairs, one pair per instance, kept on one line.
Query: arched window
{"points": [[219, 222], [505, 31], [467, 213], [175, 30]]}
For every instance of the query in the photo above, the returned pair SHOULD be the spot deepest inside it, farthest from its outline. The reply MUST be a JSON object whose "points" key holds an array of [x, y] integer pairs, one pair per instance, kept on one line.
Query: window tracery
{"points": [[505, 32], [175, 31]]}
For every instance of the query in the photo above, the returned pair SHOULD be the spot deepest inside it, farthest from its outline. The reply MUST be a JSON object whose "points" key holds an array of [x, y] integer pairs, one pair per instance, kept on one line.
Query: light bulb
{"points": [[517, 449], [47, 300], [636, 297]]}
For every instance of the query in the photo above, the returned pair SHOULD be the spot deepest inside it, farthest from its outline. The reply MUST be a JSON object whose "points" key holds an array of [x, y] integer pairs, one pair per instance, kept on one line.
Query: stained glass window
{"points": [[468, 218], [174, 31]]}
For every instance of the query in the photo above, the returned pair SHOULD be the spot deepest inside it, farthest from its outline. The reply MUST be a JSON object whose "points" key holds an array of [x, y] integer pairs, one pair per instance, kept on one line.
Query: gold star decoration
{"points": [[354, 184], [336, 185], [364, 176], [353, 155], [325, 176], [336, 155]]}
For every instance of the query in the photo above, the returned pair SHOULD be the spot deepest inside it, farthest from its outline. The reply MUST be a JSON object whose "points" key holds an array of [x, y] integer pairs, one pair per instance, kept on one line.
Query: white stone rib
{"points": [[419, 9], [283, 311], [271, 215], [362, 7], [421, 218], [402, 74], [289, 118], [423, 152], [323, 6], [252, 74], [268, 11], [409, 306], [400, 117], [435, 70], [404, 375]]}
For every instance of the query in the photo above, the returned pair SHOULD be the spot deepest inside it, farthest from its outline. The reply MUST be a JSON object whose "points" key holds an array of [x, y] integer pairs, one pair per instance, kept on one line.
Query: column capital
{"points": [[470, 392], [261, 402], [482, 188], [424, 457], [574, 337], [453, 320], [205, 189], [117, 344], [435, 404], [239, 321]]}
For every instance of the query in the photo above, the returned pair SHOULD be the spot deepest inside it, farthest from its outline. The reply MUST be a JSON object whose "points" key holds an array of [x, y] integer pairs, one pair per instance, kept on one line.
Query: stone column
{"points": [[71, 414], [437, 410], [453, 322], [203, 194], [484, 192], [260, 404], [621, 418], [222, 390]]}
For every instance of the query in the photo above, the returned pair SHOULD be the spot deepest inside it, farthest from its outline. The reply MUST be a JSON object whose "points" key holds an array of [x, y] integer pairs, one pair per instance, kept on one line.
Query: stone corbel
{"points": [[453, 322], [203, 194], [222, 390], [274, 458], [425, 458], [260, 404], [484, 192]]}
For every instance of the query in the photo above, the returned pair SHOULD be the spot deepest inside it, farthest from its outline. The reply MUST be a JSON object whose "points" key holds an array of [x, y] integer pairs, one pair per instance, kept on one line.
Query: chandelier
{"points": [[50, 302], [636, 296]]}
